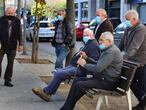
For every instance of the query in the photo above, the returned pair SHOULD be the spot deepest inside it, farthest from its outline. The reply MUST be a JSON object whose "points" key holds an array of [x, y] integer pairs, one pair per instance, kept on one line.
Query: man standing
{"points": [[133, 46], [106, 71], [102, 23], [61, 74], [63, 39], [10, 34]]}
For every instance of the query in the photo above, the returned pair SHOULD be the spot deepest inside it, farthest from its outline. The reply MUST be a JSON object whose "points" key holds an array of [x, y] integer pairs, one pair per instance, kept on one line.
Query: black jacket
{"points": [[105, 26], [67, 33], [16, 33]]}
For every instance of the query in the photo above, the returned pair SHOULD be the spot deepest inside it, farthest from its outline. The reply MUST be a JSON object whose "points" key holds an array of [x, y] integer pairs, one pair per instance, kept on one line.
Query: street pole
{"points": [[24, 29]]}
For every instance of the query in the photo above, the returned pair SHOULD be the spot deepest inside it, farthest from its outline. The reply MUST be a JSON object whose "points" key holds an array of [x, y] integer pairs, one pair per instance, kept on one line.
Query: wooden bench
{"points": [[123, 88]]}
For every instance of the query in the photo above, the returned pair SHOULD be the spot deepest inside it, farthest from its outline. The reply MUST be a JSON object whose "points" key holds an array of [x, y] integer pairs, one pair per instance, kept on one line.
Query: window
{"points": [[84, 4], [84, 13]]}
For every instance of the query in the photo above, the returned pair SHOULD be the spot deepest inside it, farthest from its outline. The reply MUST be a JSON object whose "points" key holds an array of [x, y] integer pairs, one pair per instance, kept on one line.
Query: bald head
{"points": [[88, 32], [10, 11]]}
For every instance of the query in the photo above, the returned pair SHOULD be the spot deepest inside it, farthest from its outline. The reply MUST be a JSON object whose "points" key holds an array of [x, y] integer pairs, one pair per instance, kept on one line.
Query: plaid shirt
{"points": [[59, 38]]}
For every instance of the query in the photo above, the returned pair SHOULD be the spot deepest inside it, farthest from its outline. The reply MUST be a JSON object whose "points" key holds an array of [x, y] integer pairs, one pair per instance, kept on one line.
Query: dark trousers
{"points": [[138, 85], [80, 85], [10, 59]]}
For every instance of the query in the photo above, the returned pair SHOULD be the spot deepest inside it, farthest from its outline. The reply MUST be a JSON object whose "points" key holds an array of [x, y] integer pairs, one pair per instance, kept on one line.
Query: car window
{"points": [[44, 25], [121, 27], [84, 24]]}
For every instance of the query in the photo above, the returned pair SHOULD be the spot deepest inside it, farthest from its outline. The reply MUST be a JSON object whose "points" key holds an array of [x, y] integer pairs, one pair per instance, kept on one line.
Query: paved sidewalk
{"points": [[20, 97], [26, 76]]}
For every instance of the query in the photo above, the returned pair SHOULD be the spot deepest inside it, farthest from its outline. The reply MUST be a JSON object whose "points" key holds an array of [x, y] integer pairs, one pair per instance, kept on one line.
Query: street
{"points": [[45, 48]]}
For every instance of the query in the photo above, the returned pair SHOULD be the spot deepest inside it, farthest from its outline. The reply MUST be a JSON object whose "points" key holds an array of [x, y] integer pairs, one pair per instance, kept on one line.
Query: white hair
{"points": [[102, 11], [132, 14], [108, 35]]}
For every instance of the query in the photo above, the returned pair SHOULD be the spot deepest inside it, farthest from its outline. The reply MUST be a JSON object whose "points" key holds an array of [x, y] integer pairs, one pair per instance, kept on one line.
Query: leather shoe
{"points": [[39, 92], [8, 84]]}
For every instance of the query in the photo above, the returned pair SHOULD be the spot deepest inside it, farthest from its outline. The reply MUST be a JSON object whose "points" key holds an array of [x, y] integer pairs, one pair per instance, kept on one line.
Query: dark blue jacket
{"points": [[91, 50]]}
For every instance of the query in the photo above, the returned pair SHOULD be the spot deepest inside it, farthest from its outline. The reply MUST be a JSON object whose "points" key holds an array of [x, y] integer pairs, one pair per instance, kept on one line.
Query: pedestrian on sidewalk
{"points": [[133, 46], [103, 24], [61, 74], [106, 71], [10, 34], [63, 39]]}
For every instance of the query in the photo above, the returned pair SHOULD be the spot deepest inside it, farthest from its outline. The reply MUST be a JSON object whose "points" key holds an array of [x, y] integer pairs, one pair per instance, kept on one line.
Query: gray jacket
{"points": [[109, 64], [134, 43]]}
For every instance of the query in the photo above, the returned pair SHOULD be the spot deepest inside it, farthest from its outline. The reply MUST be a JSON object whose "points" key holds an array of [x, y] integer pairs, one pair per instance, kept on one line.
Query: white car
{"points": [[46, 31]]}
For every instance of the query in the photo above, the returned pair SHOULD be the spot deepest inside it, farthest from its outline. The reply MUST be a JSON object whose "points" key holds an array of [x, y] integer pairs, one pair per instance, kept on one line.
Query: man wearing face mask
{"points": [[63, 40], [61, 74], [102, 23], [133, 45], [10, 34], [106, 71]]}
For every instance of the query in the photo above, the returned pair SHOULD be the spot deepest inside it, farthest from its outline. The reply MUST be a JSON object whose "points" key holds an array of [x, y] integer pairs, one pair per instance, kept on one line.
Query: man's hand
{"points": [[83, 54], [81, 62], [20, 48]]}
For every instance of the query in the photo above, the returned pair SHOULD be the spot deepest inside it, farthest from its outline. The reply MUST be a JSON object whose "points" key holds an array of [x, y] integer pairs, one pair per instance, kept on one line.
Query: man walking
{"points": [[10, 34], [102, 23], [133, 46]]}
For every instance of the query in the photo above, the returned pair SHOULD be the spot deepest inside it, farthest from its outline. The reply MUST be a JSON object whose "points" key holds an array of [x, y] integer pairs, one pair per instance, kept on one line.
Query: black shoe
{"points": [[141, 105], [8, 84], [136, 107]]}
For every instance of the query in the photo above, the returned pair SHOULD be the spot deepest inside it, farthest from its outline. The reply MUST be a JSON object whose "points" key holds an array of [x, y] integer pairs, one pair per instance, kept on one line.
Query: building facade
{"points": [[85, 9]]}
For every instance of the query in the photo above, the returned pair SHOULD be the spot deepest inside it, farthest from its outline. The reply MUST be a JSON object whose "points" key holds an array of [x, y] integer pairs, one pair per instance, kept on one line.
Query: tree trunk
{"points": [[4, 7], [70, 16], [24, 29], [19, 6], [34, 56]]}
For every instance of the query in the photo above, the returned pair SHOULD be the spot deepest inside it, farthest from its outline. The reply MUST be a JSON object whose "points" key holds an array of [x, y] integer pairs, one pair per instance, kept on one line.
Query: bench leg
{"points": [[100, 100], [106, 100], [128, 96]]}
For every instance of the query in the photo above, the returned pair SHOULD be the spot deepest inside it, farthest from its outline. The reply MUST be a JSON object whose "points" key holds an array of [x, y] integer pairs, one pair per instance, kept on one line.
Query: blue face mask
{"points": [[127, 23], [97, 19], [86, 39], [59, 17], [102, 46]]}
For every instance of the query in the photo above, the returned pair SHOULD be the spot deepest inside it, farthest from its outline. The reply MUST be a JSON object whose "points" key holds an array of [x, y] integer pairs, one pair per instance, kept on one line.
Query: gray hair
{"points": [[132, 14], [108, 35], [103, 11]]}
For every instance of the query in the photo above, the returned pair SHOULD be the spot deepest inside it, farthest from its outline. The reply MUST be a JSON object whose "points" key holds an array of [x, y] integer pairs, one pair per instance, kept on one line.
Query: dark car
{"points": [[80, 28]]}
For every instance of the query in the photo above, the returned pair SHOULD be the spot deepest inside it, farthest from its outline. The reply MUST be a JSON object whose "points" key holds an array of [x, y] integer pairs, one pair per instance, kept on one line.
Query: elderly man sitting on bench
{"points": [[62, 74], [106, 71]]}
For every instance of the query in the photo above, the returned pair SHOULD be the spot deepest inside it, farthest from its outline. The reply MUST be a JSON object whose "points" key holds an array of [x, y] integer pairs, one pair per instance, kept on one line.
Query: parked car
{"points": [[80, 28], [46, 31], [119, 32]]}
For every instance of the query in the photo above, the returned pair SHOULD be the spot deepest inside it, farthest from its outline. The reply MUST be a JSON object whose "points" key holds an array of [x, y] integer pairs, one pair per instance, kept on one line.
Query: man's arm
{"points": [[102, 63], [135, 44]]}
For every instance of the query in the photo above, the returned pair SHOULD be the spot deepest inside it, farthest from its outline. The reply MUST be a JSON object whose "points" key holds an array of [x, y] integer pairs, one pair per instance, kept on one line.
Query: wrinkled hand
{"points": [[83, 54], [20, 48], [81, 62]]}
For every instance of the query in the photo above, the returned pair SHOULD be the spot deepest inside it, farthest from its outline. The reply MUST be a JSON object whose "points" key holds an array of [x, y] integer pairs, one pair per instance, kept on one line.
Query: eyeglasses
{"points": [[103, 40]]}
